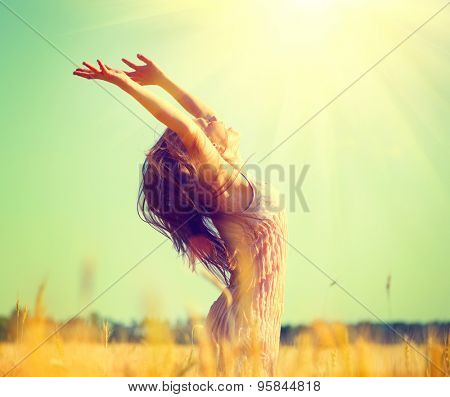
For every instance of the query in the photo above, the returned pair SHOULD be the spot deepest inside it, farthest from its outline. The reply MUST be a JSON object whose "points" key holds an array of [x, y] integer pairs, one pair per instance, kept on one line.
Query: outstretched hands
{"points": [[147, 74], [102, 72]]}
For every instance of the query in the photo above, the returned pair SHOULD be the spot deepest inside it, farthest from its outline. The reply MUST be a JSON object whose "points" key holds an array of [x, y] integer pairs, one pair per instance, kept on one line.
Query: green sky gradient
{"points": [[378, 186]]}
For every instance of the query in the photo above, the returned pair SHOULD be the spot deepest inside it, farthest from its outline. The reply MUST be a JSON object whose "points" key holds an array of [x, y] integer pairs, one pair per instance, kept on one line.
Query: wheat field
{"points": [[81, 359], [323, 349]]}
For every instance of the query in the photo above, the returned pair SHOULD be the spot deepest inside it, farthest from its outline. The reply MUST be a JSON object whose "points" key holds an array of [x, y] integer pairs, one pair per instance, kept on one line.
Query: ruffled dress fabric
{"points": [[246, 318]]}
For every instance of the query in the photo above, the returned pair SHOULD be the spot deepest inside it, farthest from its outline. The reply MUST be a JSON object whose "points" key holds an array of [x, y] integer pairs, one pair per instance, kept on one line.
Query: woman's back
{"points": [[249, 317]]}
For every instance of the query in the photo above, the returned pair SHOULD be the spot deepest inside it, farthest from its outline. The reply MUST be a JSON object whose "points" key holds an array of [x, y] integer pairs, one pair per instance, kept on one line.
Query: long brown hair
{"points": [[172, 200]]}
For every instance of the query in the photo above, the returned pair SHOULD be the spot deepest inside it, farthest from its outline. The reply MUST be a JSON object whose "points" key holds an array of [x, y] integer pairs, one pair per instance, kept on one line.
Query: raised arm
{"points": [[193, 137], [151, 74]]}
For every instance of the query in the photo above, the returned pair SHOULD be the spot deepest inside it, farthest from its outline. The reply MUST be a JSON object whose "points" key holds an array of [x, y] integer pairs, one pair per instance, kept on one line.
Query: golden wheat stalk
{"points": [[106, 333]]}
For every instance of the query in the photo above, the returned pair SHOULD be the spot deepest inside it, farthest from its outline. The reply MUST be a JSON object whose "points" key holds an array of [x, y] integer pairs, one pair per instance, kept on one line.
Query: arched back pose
{"points": [[194, 192]]}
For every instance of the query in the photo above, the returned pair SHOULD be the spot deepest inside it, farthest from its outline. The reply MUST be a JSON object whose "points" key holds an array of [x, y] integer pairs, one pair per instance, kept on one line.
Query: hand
{"points": [[147, 74], [104, 72]]}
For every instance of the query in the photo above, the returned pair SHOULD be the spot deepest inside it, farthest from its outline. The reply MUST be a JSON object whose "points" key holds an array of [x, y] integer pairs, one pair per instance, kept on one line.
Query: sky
{"points": [[377, 186]]}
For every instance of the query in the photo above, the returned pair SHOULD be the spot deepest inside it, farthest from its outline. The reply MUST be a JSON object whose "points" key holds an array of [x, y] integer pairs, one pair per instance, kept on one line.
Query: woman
{"points": [[194, 192]]}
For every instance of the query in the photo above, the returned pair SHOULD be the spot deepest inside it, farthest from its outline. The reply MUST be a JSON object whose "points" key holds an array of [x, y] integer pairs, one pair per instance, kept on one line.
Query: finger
{"points": [[102, 67], [143, 58], [130, 64], [108, 67], [84, 70], [84, 75], [92, 68], [78, 71]]}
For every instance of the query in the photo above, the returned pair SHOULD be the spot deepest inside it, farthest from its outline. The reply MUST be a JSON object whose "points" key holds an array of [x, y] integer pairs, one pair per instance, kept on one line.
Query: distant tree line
{"points": [[385, 333]]}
